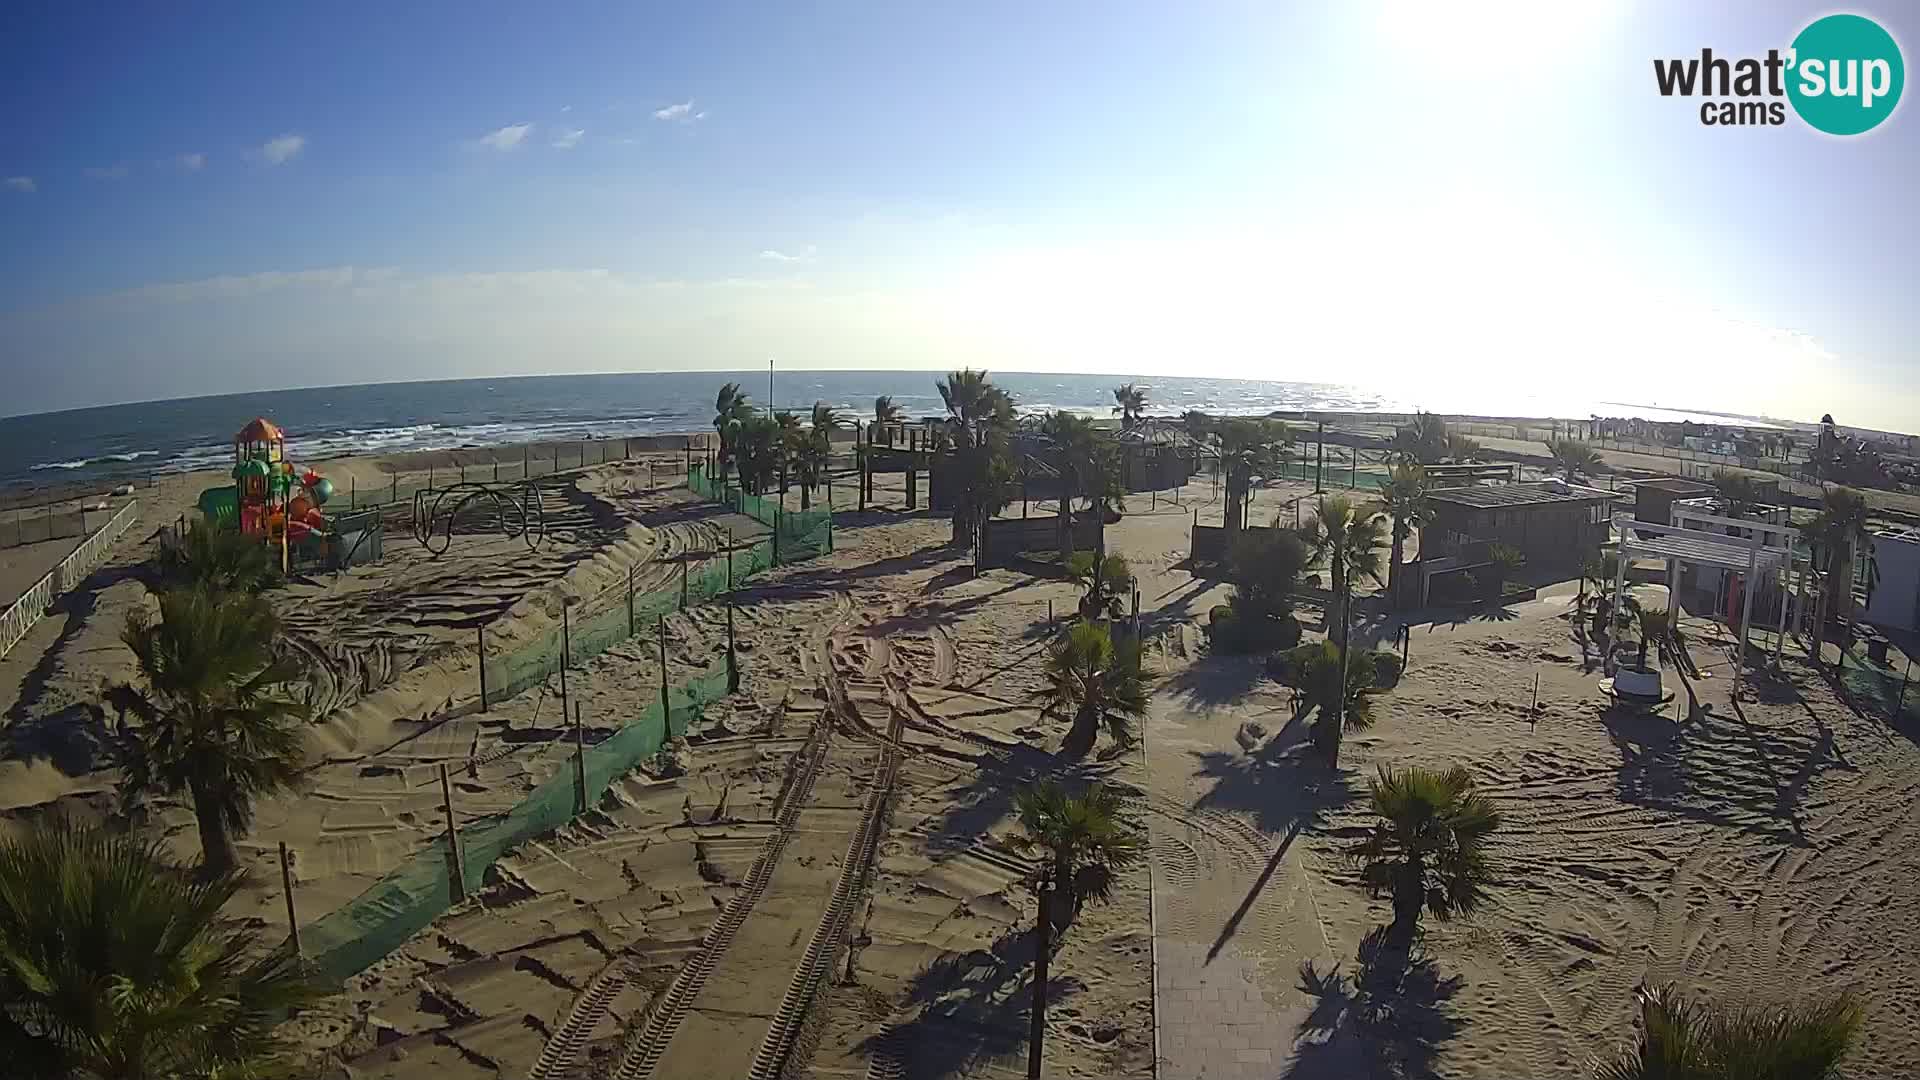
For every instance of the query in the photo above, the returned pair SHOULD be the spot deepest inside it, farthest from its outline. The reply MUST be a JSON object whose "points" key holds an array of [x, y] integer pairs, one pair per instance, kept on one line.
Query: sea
{"points": [[117, 443]]}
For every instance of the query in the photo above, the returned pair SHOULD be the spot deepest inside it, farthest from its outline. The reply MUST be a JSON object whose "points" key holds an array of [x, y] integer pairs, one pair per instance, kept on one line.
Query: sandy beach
{"points": [[1759, 848]]}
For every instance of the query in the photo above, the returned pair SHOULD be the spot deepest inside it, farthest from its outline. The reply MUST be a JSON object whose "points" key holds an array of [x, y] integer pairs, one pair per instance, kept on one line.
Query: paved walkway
{"points": [[1235, 916]]}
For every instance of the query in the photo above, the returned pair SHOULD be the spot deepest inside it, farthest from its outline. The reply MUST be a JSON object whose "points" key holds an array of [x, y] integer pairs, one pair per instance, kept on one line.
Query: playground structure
{"points": [[517, 508], [271, 498]]}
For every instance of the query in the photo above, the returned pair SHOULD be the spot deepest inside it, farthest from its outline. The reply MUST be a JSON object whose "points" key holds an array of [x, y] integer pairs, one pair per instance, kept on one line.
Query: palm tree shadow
{"points": [[1389, 1020], [971, 1009], [1217, 680], [1497, 613], [1285, 787]]}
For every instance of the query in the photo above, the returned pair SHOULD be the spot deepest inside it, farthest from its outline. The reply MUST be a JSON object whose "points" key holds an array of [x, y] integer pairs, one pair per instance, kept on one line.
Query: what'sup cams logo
{"points": [[1842, 75]]}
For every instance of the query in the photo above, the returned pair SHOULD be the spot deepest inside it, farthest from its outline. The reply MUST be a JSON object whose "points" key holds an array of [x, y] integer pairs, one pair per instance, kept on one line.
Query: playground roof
{"points": [[261, 430]]}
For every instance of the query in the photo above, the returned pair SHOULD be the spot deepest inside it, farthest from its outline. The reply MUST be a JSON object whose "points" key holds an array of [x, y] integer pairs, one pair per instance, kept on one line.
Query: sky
{"points": [[1425, 199]]}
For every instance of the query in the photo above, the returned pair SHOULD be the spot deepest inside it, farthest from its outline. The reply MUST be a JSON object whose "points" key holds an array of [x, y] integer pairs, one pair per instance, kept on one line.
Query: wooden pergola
{"points": [[1749, 555]]}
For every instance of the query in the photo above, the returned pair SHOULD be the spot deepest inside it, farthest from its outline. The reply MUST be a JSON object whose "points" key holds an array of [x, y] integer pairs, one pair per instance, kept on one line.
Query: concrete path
{"points": [[1235, 916]]}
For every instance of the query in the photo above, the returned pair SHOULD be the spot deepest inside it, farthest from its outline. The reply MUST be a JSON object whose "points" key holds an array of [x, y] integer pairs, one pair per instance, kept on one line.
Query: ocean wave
{"points": [[101, 459]]}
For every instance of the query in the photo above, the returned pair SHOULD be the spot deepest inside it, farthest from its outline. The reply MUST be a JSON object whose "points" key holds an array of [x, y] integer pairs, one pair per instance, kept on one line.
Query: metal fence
{"points": [[68, 572]]}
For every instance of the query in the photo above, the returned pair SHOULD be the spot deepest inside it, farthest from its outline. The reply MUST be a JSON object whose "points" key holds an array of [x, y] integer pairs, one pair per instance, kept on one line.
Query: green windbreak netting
{"points": [[797, 534], [379, 920], [373, 924]]}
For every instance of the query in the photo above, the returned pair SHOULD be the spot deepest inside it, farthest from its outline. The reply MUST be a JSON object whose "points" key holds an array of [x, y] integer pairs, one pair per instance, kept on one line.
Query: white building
{"points": [[1896, 601]]}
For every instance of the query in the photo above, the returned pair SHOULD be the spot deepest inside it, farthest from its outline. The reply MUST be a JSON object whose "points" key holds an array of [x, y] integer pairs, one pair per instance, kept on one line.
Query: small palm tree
{"points": [[1424, 441], [116, 964], [730, 410], [1573, 457], [1349, 542], [1697, 1040], [1404, 498], [224, 559], [1738, 491], [212, 721], [1336, 686], [1076, 457], [812, 450], [1428, 850], [886, 412], [1084, 840], [1108, 583], [758, 447], [1249, 451], [982, 416], [1130, 402], [1834, 533], [1507, 562], [1097, 680]]}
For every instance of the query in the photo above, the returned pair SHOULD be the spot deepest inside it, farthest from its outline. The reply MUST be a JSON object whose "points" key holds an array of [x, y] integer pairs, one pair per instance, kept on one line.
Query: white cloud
{"points": [[111, 172], [567, 140], [772, 255], [281, 150], [21, 183], [681, 113], [190, 162], [566, 108], [505, 138]]}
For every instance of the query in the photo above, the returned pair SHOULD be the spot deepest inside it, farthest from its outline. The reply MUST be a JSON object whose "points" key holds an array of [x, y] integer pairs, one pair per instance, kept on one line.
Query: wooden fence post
{"points": [[286, 886], [579, 760], [480, 638], [666, 705], [732, 656], [453, 838]]}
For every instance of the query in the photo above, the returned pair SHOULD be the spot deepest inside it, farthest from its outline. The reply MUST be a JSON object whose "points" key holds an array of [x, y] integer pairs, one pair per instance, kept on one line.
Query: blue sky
{"points": [[256, 196]]}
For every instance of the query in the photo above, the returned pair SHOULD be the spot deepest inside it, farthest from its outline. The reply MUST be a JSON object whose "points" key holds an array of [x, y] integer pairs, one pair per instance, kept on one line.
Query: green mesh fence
{"points": [[404, 902], [1893, 691], [797, 534]]}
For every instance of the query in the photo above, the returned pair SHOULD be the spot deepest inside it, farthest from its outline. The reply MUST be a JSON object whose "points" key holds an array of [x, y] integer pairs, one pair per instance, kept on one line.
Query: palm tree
{"points": [[1084, 840], [1506, 563], [982, 416], [1423, 441], [212, 721], [1099, 681], [1108, 583], [1404, 498], [730, 410], [1335, 686], [1786, 447], [1249, 451], [812, 450], [1573, 457], [224, 559], [1130, 402], [1348, 542], [1739, 491], [758, 445], [1428, 850], [1076, 459], [1834, 533], [116, 964], [885, 412], [1698, 1040]]}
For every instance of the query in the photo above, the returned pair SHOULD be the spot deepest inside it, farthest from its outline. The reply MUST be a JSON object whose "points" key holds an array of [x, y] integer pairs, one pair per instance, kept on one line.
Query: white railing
{"points": [[24, 612], [68, 572]]}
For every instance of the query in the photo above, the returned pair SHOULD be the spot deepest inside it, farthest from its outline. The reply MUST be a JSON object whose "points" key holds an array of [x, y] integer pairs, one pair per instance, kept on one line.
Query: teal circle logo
{"points": [[1845, 74]]}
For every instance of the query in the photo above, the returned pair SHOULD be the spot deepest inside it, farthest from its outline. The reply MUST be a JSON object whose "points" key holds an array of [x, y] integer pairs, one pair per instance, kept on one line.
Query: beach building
{"points": [[1556, 526], [1895, 603]]}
